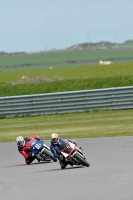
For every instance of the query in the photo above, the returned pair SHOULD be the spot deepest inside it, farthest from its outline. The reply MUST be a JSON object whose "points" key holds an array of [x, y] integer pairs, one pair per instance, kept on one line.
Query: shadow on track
{"points": [[59, 169], [20, 165]]}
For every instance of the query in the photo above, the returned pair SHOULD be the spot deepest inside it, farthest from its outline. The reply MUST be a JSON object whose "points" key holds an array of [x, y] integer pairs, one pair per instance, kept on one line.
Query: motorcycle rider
{"points": [[24, 150], [54, 147]]}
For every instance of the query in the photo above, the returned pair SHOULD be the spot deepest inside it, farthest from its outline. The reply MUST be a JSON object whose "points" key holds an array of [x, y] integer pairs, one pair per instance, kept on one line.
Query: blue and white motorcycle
{"points": [[39, 149]]}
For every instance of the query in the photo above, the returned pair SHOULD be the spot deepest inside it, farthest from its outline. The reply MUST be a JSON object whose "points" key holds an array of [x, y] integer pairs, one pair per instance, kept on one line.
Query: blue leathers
{"points": [[55, 150]]}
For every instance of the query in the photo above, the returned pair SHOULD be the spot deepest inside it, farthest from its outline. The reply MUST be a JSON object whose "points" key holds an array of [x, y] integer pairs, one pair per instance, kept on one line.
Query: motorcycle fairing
{"points": [[35, 146]]}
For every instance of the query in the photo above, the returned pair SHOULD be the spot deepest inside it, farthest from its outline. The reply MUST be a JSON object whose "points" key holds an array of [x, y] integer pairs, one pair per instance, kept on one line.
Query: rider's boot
{"points": [[70, 163]]}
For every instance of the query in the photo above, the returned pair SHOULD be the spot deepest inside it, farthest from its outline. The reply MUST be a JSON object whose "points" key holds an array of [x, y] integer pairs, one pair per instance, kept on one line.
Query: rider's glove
{"points": [[58, 151], [73, 141], [41, 139]]}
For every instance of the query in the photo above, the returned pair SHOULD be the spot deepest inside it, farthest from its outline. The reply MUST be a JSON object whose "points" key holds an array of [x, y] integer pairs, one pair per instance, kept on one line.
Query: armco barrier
{"points": [[66, 102]]}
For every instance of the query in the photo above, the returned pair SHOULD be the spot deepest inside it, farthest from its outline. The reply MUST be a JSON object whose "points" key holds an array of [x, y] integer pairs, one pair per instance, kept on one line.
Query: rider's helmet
{"points": [[20, 141], [55, 138]]}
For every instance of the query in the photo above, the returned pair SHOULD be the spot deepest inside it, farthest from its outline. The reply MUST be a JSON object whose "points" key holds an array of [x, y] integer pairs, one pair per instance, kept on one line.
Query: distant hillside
{"points": [[130, 42], [102, 45], [2, 53]]}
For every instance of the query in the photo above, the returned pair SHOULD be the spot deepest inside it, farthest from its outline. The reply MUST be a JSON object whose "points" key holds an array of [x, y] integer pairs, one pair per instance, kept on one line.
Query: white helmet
{"points": [[55, 138], [20, 141]]}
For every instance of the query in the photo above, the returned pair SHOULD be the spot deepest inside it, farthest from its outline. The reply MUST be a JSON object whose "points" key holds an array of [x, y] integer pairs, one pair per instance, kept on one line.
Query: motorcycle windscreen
{"points": [[65, 147], [36, 146]]}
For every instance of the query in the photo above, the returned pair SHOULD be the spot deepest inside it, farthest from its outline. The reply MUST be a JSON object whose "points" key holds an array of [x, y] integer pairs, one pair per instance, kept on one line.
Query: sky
{"points": [[39, 25]]}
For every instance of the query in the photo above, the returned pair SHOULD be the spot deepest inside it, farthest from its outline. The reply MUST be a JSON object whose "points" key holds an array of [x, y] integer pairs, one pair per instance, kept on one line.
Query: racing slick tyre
{"points": [[50, 155], [81, 160]]}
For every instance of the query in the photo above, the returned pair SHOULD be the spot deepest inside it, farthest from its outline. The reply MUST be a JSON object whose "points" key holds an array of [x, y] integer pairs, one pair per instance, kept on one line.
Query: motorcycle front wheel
{"points": [[81, 160]]}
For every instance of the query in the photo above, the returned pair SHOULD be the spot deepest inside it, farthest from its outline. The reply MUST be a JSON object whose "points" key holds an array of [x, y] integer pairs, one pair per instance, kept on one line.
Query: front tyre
{"points": [[81, 160], [49, 154]]}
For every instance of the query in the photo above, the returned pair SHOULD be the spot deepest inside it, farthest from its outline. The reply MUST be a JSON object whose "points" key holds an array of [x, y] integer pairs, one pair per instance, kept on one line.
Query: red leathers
{"points": [[25, 151]]}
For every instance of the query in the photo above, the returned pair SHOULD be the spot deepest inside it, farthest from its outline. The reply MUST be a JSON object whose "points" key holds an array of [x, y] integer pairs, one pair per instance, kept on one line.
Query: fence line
{"points": [[67, 102]]}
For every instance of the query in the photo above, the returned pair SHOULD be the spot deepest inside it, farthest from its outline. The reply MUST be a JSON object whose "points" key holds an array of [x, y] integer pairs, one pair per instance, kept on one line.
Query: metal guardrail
{"points": [[67, 102]]}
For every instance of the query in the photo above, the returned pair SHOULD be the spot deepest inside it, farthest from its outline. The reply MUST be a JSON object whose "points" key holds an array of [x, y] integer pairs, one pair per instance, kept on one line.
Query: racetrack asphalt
{"points": [[109, 177]]}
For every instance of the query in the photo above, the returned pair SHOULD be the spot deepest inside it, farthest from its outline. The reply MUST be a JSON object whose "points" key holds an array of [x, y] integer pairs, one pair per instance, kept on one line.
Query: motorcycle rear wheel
{"points": [[81, 160], [49, 155]]}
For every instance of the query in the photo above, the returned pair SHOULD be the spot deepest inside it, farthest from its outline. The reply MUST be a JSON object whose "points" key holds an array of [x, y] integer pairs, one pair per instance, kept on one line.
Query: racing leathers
{"points": [[26, 152], [55, 150]]}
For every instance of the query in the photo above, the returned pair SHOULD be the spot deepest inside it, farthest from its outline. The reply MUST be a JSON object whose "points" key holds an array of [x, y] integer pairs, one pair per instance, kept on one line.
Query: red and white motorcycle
{"points": [[73, 154]]}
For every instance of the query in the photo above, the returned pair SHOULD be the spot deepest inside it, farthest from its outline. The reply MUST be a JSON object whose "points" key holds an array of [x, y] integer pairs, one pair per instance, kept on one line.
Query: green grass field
{"points": [[63, 56], [68, 79], [71, 73], [62, 59], [74, 125]]}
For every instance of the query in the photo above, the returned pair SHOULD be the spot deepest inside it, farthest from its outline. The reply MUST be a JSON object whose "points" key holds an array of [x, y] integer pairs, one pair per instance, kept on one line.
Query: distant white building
{"points": [[105, 62]]}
